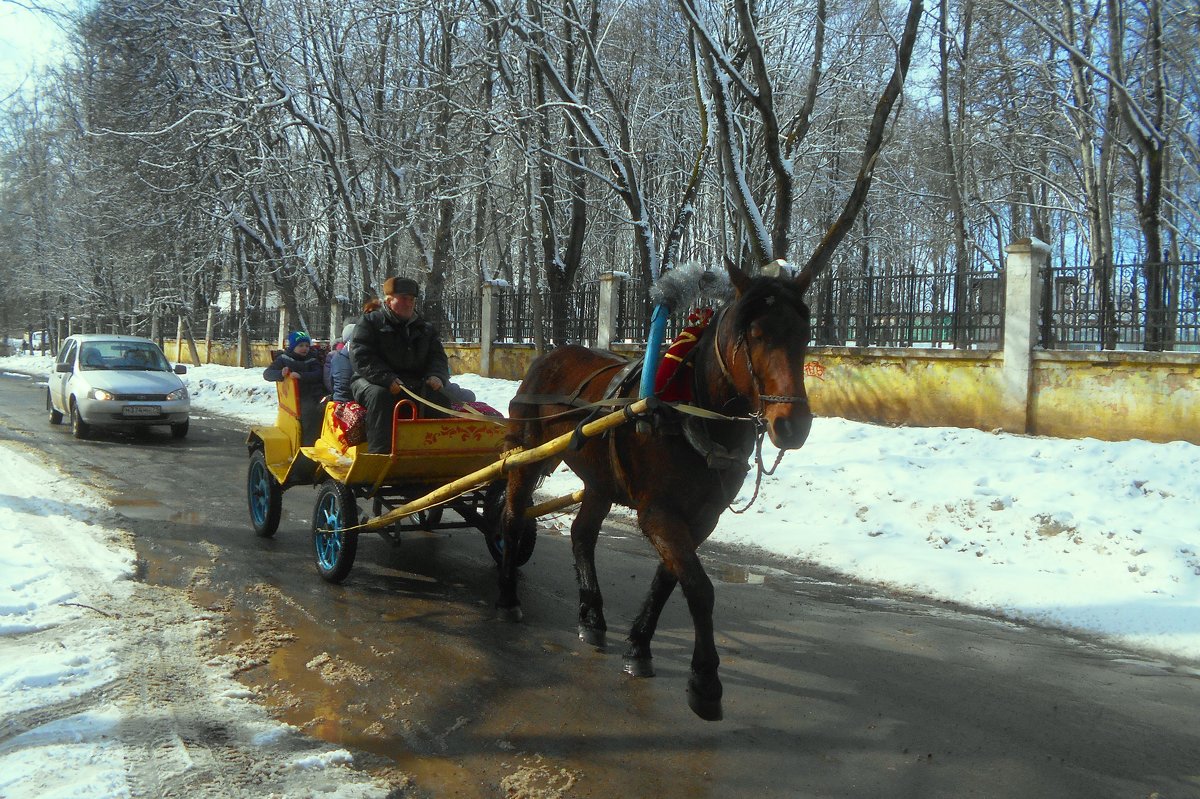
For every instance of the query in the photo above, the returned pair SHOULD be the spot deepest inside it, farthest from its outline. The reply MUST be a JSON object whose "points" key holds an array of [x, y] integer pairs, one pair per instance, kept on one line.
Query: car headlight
{"points": [[99, 394], [177, 394]]}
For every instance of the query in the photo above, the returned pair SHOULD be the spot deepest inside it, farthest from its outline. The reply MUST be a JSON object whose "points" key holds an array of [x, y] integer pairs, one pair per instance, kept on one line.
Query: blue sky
{"points": [[28, 40]]}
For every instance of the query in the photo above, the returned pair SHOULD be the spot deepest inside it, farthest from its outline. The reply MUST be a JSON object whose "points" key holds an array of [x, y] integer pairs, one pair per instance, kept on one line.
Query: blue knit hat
{"points": [[297, 337]]}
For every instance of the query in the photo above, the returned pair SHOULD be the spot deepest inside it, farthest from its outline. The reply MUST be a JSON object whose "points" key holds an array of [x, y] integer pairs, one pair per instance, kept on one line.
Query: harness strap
{"points": [[572, 400]]}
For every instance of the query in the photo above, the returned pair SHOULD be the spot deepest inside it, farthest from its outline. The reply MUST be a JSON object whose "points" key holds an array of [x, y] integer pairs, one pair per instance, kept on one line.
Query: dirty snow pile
{"points": [[89, 706]]}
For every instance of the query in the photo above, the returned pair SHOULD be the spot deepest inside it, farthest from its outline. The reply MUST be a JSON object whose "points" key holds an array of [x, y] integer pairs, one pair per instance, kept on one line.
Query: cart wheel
{"points": [[493, 513], [334, 549], [427, 519], [421, 520], [264, 495]]}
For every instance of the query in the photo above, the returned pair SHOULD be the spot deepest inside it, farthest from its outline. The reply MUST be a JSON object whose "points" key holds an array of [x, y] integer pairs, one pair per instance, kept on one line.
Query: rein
{"points": [[740, 344], [756, 415]]}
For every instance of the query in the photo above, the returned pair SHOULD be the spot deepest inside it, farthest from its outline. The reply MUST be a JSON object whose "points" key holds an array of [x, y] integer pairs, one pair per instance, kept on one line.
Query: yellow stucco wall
{"points": [[1112, 395], [464, 358], [219, 353], [917, 387], [1117, 395]]}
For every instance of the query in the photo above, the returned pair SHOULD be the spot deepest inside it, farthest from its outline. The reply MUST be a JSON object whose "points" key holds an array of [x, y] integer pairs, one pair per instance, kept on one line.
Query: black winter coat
{"points": [[385, 348], [308, 369]]}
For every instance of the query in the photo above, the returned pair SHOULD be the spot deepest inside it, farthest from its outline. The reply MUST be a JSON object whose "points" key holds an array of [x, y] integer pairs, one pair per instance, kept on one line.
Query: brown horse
{"points": [[678, 472]]}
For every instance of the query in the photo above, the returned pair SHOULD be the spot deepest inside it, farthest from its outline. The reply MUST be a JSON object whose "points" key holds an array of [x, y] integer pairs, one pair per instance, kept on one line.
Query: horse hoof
{"points": [[509, 614], [592, 636], [704, 697], [707, 709], [639, 667]]}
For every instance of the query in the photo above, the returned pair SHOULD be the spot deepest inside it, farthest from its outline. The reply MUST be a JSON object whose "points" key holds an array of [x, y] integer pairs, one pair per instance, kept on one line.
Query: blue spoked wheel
{"points": [[264, 496], [334, 549], [493, 514]]}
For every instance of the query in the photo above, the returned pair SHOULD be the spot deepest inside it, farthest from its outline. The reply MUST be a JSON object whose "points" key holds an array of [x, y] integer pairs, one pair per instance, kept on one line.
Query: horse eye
{"points": [[756, 330]]}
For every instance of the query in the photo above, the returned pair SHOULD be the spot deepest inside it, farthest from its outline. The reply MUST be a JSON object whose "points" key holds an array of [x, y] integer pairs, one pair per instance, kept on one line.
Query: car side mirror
{"points": [[63, 367], [180, 369]]}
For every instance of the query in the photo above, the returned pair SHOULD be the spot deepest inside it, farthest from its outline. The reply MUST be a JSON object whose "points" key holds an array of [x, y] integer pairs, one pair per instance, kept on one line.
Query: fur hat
{"points": [[401, 285], [296, 338]]}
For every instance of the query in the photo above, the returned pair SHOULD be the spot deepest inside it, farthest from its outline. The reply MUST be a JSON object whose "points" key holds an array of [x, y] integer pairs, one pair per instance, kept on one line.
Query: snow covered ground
{"points": [[1089, 536]]}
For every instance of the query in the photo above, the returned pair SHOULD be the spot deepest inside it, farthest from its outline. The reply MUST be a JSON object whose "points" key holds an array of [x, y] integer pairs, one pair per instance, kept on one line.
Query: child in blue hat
{"points": [[299, 362]]}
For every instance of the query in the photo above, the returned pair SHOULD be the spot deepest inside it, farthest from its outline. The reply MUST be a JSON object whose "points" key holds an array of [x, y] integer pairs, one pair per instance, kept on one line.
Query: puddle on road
{"points": [[740, 575], [148, 509], [389, 696], [375, 681]]}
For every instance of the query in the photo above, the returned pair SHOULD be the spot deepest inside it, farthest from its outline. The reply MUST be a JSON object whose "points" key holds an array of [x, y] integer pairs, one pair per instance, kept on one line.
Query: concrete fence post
{"points": [[1024, 262], [606, 325], [487, 327], [335, 323], [284, 325], [209, 323]]}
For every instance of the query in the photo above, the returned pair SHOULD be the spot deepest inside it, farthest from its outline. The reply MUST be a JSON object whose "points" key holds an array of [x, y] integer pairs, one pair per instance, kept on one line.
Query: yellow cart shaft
{"points": [[522, 458]]}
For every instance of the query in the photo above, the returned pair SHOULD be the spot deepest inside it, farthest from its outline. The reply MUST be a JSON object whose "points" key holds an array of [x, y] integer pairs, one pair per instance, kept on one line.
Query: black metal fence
{"points": [[1150, 306], [567, 317], [459, 316], [908, 309], [1140, 306]]}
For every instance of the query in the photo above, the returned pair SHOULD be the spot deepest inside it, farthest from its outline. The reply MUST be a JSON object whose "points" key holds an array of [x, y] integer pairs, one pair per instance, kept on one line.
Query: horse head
{"points": [[763, 349]]}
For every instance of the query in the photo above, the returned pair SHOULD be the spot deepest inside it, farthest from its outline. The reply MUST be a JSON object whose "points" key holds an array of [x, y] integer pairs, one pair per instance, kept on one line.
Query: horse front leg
{"points": [[638, 660], [585, 530], [672, 537]]}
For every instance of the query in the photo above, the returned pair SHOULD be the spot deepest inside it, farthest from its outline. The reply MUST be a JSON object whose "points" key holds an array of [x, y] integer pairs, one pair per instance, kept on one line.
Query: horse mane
{"points": [[766, 291]]}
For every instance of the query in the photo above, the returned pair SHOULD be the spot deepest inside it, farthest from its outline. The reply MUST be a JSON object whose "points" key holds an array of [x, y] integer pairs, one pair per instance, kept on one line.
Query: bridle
{"points": [[757, 415], [756, 383]]}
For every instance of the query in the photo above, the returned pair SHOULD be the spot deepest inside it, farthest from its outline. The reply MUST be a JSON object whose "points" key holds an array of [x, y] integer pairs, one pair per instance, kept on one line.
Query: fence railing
{"points": [[460, 315], [908, 309], [1140, 306], [1150, 306], [569, 317]]}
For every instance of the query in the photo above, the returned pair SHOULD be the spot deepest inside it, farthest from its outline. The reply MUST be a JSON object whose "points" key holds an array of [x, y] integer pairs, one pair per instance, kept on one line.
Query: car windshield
{"points": [[123, 355]]}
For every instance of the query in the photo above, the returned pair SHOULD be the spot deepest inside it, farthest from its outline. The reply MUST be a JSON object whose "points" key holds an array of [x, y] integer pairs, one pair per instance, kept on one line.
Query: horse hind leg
{"points": [[584, 532], [638, 660]]}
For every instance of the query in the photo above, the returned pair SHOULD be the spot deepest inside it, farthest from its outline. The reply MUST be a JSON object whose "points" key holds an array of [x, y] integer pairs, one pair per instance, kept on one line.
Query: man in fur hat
{"points": [[393, 348]]}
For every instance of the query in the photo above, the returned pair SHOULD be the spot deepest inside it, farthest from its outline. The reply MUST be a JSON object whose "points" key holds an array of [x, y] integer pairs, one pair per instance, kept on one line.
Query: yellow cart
{"points": [[426, 455]]}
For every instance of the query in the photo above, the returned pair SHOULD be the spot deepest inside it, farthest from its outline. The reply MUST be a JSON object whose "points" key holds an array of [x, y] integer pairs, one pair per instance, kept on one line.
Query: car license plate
{"points": [[141, 410]]}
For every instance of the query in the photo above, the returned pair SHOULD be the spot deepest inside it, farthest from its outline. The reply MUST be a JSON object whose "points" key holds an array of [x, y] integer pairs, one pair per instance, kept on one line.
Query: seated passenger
{"points": [[339, 370], [297, 362], [393, 348]]}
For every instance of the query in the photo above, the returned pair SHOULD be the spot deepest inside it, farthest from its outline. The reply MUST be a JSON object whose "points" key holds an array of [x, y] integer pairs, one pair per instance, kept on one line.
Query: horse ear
{"points": [[739, 279]]}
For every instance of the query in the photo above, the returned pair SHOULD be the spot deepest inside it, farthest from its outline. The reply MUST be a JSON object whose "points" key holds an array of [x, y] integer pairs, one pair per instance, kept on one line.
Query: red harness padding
{"points": [[670, 385]]}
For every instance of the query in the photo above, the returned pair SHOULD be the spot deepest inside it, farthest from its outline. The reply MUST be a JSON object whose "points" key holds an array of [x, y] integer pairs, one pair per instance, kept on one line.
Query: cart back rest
{"points": [[287, 417]]}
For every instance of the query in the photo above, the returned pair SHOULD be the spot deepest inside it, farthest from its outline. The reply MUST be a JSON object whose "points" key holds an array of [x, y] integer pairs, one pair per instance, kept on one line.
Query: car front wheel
{"points": [[79, 428], [55, 414], [179, 430]]}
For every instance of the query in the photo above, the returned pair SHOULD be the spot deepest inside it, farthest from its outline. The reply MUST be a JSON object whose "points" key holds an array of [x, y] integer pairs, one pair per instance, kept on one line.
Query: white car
{"points": [[102, 380]]}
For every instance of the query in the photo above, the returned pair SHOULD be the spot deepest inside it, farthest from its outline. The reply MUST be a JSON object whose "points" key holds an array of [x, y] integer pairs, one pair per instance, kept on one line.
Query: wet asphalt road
{"points": [[831, 689]]}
